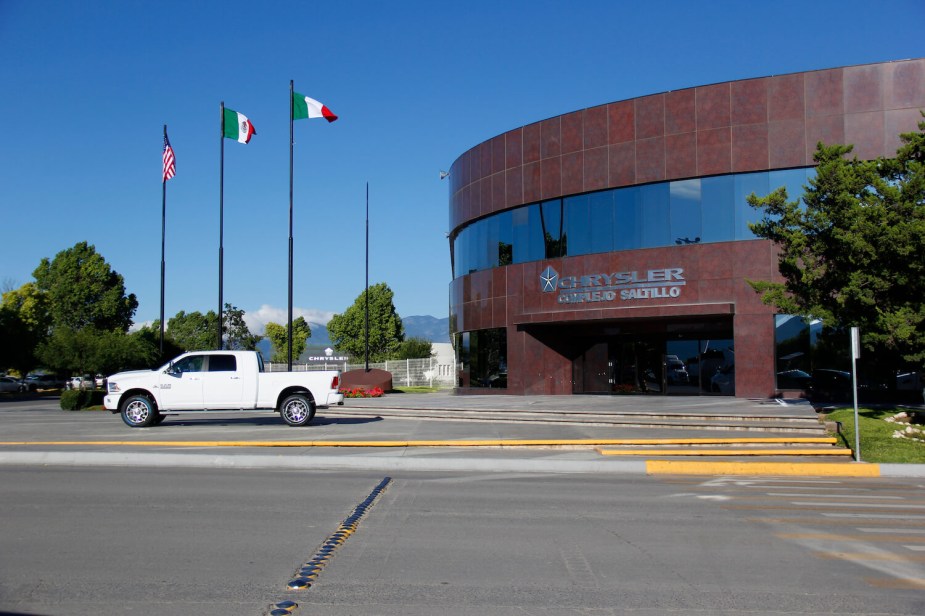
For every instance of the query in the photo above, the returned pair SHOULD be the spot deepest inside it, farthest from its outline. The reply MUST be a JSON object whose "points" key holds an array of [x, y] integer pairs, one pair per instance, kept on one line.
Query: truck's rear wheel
{"points": [[138, 412], [297, 410]]}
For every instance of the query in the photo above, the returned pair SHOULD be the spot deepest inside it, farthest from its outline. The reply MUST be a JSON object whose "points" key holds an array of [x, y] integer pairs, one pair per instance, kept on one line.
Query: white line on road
{"points": [[891, 506], [883, 516], [894, 531], [839, 496]]}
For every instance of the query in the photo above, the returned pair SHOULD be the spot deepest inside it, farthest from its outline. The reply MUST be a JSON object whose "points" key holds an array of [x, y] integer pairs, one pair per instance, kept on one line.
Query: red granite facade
{"points": [[743, 126]]}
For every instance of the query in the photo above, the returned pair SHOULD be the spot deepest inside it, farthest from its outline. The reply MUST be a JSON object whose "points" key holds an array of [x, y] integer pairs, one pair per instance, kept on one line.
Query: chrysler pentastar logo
{"points": [[549, 280]]}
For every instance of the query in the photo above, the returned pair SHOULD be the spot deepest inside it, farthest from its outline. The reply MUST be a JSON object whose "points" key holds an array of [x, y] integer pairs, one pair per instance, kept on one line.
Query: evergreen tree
{"points": [[852, 255]]}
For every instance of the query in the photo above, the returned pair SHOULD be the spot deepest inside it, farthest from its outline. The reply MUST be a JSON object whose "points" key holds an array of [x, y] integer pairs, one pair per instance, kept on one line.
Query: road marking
{"points": [[883, 516], [897, 584], [896, 531], [915, 548], [697, 467], [840, 496], [878, 506], [869, 556], [846, 538]]}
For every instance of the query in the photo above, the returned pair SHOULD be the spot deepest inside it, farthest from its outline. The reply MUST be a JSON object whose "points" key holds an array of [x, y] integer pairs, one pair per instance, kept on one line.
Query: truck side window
{"points": [[193, 363], [222, 363]]}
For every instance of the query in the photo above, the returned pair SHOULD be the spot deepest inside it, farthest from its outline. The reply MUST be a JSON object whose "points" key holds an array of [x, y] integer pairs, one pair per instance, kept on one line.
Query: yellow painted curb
{"points": [[724, 452], [442, 443], [681, 467]]}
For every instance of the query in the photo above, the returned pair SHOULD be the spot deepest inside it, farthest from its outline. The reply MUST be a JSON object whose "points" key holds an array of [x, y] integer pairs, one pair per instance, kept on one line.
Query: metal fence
{"points": [[428, 372]]}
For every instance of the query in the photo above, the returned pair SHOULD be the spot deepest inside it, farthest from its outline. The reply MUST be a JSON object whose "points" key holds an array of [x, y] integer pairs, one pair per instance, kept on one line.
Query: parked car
{"points": [[831, 385], [676, 371], [724, 381], [794, 379], [45, 381], [10, 385], [81, 382]]}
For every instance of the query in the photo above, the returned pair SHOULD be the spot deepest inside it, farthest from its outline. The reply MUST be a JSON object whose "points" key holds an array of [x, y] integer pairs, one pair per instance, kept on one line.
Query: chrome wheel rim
{"points": [[136, 411], [296, 411]]}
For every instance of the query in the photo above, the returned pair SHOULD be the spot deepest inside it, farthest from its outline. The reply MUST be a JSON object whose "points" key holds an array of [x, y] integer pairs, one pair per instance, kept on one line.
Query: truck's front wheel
{"points": [[297, 410], [138, 412]]}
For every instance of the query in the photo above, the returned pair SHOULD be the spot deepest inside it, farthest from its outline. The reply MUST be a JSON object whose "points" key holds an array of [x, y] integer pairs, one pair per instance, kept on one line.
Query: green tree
{"points": [[414, 348], [237, 336], [92, 351], [386, 331], [279, 338], [852, 255], [24, 323], [194, 331], [83, 290], [151, 334]]}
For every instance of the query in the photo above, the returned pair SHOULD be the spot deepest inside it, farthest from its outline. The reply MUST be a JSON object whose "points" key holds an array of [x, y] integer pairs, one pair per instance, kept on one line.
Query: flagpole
{"points": [[221, 216], [163, 234], [367, 277], [289, 321]]}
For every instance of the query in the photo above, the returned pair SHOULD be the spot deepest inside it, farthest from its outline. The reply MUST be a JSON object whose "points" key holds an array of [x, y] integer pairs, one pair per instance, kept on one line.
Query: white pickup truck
{"points": [[205, 381]]}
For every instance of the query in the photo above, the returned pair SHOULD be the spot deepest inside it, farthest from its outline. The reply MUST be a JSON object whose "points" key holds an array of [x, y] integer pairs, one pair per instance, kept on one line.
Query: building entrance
{"points": [[657, 361]]}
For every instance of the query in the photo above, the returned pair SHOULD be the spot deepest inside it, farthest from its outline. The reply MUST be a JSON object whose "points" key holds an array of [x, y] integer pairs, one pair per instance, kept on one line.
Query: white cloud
{"points": [[257, 320]]}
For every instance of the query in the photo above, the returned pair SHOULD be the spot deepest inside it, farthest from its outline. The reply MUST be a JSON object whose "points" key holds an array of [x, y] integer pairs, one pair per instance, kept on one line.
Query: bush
{"points": [[76, 399]]}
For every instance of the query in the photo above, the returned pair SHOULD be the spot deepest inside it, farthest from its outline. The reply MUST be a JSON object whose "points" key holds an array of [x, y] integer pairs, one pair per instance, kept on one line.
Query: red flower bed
{"points": [[359, 392]]}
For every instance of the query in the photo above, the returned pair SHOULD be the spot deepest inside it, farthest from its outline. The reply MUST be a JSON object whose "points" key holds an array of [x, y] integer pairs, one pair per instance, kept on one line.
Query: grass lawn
{"points": [[877, 442], [415, 390]]}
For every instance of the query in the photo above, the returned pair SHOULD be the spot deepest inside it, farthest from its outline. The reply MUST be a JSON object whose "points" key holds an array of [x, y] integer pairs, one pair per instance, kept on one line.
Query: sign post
{"points": [[855, 354]]}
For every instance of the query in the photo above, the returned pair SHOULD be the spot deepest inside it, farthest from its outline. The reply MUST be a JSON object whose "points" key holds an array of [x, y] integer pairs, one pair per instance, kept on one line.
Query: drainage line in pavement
{"points": [[309, 571]]}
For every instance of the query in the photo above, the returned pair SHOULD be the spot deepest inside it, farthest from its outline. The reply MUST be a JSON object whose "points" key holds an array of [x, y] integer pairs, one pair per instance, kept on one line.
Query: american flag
{"points": [[170, 164]]}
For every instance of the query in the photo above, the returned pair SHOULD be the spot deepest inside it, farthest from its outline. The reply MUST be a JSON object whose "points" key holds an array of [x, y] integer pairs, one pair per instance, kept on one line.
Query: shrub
{"points": [[74, 399]]}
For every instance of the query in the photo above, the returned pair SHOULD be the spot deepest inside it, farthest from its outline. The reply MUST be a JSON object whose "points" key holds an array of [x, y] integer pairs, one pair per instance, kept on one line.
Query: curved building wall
{"points": [[726, 130]]}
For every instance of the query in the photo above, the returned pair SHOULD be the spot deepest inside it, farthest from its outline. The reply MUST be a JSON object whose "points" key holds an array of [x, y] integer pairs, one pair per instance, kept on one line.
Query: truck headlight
{"points": [[113, 387]]}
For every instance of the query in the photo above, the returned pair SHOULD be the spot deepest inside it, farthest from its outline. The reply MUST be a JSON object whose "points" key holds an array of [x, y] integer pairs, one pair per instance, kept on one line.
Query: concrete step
{"points": [[783, 423]]}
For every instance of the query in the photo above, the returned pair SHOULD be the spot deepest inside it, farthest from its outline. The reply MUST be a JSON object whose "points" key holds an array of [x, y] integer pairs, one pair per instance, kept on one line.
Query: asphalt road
{"points": [[228, 541], [179, 530]]}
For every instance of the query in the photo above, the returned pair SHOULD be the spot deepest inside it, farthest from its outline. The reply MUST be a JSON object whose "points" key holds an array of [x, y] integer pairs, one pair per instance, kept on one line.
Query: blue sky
{"points": [[88, 85]]}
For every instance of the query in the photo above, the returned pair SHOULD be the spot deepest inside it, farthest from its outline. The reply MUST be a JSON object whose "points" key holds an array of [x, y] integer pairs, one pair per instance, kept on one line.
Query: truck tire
{"points": [[138, 411], [297, 410]]}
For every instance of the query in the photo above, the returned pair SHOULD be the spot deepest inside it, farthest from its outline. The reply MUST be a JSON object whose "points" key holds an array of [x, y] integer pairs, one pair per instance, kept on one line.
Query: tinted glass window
{"points": [[685, 212], [745, 185], [578, 225], [668, 213], [505, 238], [653, 210], [222, 363], [552, 228], [601, 221], [718, 217], [626, 232], [482, 358], [528, 235]]}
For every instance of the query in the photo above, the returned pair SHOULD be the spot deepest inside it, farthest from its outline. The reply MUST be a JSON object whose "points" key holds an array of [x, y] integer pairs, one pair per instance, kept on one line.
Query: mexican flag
{"points": [[237, 126], [304, 107]]}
